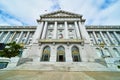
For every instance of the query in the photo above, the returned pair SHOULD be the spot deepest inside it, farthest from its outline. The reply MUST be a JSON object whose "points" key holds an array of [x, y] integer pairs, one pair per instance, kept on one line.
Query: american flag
{"points": [[61, 35]]}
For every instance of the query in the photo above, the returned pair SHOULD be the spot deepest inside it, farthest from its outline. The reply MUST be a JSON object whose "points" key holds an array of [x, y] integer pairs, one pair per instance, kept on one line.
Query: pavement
{"points": [[57, 75]]}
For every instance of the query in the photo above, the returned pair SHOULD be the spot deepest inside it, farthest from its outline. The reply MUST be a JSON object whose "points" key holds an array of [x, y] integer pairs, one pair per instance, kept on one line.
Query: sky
{"points": [[25, 12]]}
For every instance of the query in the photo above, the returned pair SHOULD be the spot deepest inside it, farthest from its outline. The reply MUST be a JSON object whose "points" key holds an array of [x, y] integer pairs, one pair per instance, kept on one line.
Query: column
{"points": [[38, 32], [1, 35], [26, 38], [44, 30], [66, 30], [55, 31], [84, 33], [5, 37], [118, 39], [103, 37], [53, 54], [68, 55], [95, 37], [110, 37], [12, 36], [19, 37], [77, 30]]}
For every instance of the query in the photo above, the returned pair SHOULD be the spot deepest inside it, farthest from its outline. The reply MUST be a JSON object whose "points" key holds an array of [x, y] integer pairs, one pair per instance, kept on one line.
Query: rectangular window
{"points": [[3, 65]]}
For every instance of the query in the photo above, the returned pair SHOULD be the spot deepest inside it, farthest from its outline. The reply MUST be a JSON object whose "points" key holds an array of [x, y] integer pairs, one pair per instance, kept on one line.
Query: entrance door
{"points": [[75, 54], [76, 58], [61, 54], [61, 58]]}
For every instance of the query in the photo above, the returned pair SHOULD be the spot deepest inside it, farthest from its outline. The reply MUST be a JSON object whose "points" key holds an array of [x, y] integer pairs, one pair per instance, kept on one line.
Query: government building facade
{"points": [[62, 41]]}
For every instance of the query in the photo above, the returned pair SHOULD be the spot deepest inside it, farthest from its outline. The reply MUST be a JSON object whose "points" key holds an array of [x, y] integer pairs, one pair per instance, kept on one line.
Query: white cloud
{"points": [[26, 10], [29, 10], [92, 11], [109, 15]]}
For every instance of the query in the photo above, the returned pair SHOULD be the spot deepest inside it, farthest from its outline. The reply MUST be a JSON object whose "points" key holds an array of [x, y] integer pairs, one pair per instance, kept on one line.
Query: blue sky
{"points": [[25, 12]]}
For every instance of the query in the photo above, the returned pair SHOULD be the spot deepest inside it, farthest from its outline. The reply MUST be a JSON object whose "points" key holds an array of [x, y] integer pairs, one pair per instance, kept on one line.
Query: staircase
{"points": [[101, 61], [63, 66], [24, 60]]}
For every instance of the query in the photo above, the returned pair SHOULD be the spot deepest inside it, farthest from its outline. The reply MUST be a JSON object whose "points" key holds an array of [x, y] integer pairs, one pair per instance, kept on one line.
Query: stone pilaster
{"points": [[53, 54], [19, 37], [110, 37], [118, 39], [44, 30], [11, 39], [68, 55], [55, 31], [66, 30], [26, 38], [38, 32], [1, 34], [6, 36], [77, 30], [95, 37], [84, 33], [103, 38]]}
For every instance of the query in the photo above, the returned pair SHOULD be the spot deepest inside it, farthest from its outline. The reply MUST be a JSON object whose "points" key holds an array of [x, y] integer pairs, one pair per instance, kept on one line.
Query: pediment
{"points": [[61, 13]]}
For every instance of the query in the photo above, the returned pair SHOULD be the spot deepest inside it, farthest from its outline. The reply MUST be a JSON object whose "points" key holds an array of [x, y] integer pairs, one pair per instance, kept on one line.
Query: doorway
{"points": [[75, 54], [60, 54], [61, 58]]}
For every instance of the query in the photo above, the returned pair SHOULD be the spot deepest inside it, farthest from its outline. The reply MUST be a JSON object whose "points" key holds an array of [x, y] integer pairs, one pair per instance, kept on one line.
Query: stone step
{"points": [[23, 60], [101, 61], [63, 66]]}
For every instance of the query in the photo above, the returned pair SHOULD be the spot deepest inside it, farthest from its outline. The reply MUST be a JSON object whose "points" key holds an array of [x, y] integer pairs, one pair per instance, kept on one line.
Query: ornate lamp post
{"points": [[21, 50], [101, 47]]}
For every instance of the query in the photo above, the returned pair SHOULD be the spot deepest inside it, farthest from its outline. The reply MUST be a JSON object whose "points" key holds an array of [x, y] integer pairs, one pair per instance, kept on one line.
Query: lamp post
{"points": [[101, 45], [21, 50]]}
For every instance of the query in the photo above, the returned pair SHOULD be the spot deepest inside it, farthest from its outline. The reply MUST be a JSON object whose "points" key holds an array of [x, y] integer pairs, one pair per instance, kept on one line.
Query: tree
{"points": [[11, 50]]}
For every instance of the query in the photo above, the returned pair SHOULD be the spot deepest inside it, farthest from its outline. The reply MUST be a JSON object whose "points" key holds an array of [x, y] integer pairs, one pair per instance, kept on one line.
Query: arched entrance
{"points": [[61, 54], [75, 54], [46, 54]]}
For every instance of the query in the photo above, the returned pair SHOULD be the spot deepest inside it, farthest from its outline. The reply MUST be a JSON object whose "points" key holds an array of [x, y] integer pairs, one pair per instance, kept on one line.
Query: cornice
{"points": [[61, 11]]}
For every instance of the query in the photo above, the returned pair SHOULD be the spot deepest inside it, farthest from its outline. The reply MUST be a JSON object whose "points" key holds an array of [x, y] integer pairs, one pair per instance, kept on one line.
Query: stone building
{"points": [[62, 40]]}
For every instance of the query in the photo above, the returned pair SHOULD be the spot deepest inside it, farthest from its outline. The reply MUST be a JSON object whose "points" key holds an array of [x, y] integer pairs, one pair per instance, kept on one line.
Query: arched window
{"points": [[116, 52], [107, 52], [46, 54], [75, 54], [98, 52], [61, 54]]}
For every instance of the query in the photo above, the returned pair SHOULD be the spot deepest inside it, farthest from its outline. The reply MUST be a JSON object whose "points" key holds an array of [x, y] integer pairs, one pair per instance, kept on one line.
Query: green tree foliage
{"points": [[11, 50]]}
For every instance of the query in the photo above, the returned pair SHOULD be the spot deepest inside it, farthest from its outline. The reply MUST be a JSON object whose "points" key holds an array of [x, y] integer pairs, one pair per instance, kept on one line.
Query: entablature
{"points": [[103, 30], [61, 19], [61, 41], [27, 30]]}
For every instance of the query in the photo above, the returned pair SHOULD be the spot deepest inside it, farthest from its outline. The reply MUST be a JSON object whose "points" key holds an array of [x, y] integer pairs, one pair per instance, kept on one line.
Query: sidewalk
{"points": [[52, 75]]}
